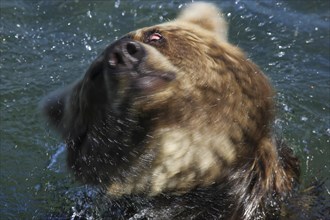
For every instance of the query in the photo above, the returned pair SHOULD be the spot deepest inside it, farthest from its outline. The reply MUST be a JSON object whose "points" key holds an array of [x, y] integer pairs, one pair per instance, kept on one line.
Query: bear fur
{"points": [[176, 116]]}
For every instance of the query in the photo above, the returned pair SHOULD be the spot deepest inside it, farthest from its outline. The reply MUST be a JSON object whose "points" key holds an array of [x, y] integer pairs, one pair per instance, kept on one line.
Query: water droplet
{"points": [[303, 118], [328, 131], [280, 54], [309, 41], [89, 14], [37, 187], [261, 24], [88, 47], [287, 108], [117, 3]]}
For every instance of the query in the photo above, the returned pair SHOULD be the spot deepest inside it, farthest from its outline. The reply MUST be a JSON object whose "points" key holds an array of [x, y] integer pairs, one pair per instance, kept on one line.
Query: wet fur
{"points": [[199, 146]]}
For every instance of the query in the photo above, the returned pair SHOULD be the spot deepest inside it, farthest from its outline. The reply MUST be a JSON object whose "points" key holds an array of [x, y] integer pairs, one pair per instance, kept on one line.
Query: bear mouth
{"points": [[151, 82]]}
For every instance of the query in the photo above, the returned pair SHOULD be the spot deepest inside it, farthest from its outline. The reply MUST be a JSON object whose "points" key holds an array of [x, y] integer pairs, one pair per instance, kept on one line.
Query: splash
{"points": [[53, 164]]}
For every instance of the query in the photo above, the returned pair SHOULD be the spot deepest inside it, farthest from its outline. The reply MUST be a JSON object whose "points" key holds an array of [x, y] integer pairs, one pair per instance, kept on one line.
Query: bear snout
{"points": [[120, 59], [132, 65], [125, 55]]}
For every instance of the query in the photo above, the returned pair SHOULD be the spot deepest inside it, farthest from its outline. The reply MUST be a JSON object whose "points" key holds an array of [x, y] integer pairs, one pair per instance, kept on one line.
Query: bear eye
{"points": [[155, 37]]}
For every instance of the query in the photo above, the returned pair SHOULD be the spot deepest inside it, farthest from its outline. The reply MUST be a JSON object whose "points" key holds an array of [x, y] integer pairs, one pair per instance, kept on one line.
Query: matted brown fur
{"points": [[197, 140]]}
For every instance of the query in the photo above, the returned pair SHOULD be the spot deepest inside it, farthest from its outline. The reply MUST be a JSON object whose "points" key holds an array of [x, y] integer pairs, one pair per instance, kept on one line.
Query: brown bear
{"points": [[175, 115]]}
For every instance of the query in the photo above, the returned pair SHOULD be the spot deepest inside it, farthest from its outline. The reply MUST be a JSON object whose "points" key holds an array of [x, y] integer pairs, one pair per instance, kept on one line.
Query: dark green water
{"points": [[48, 44]]}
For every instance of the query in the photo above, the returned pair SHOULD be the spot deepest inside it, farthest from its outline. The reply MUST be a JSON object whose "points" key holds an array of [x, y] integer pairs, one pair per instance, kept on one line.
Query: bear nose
{"points": [[125, 55]]}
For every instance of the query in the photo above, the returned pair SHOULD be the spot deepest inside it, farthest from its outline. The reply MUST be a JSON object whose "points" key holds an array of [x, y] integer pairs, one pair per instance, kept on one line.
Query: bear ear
{"points": [[207, 16]]}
